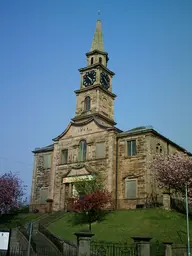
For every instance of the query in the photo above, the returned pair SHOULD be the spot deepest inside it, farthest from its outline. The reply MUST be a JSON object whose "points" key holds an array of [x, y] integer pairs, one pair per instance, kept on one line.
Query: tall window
{"points": [[64, 156], [47, 161], [43, 195], [87, 103], [91, 60], [82, 150], [100, 60], [131, 148], [130, 189]]}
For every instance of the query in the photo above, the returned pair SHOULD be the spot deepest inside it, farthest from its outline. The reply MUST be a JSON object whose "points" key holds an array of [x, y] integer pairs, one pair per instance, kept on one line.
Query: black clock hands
{"points": [[89, 78], [105, 80]]}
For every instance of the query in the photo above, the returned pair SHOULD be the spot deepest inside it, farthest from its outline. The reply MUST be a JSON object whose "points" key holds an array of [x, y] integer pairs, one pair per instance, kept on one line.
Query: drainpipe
{"points": [[116, 179]]}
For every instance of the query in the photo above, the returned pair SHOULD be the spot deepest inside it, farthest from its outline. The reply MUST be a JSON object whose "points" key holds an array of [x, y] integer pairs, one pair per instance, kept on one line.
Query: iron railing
{"points": [[51, 237], [65, 247], [26, 235], [112, 249], [157, 249], [14, 252]]}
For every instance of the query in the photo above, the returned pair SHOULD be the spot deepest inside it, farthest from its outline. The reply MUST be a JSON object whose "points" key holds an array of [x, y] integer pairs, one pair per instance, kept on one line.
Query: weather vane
{"points": [[99, 13]]}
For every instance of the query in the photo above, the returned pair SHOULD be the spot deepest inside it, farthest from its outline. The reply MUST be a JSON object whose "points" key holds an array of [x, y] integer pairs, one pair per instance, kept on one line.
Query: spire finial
{"points": [[97, 43]]}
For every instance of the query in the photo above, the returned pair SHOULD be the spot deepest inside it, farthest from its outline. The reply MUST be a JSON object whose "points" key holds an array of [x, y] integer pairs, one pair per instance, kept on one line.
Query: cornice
{"points": [[95, 66], [96, 86]]}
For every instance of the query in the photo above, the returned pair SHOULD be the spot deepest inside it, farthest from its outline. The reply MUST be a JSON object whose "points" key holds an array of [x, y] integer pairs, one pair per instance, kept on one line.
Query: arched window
{"points": [[82, 150], [91, 60], [100, 60], [87, 103]]}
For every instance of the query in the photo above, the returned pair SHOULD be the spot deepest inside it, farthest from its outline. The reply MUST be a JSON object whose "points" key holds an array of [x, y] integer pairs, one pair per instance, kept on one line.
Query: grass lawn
{"points": [[11, 221], [120, 226]]}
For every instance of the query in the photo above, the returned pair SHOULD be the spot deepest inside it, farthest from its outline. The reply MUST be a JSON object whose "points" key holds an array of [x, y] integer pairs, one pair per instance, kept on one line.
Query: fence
{"points": [[14, 252], [157, 249], [179, 250], [179, 205], [66, 248], [26, 235], [51, 237], [112, 249], [120, 249]]}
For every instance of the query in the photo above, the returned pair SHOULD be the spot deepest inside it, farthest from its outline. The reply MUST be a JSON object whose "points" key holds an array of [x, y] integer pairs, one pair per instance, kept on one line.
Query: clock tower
{"points": [[95, 97]]}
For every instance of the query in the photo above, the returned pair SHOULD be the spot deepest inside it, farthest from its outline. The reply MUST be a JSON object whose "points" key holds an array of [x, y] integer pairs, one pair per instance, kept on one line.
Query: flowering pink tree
{"points": [[11, 192], [174, 172]]}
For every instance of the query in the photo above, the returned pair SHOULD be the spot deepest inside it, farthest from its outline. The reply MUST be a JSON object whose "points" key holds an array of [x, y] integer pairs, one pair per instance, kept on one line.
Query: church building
{"points": [[92, 144]]}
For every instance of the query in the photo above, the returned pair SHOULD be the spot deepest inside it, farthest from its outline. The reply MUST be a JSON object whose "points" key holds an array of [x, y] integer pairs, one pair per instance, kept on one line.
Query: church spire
{"points": [[97, 43]]}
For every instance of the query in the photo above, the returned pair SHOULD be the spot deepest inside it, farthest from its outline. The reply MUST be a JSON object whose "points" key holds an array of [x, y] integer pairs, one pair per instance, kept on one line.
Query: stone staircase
{"points": [[51, 217], [44, 244], [44, 247]]}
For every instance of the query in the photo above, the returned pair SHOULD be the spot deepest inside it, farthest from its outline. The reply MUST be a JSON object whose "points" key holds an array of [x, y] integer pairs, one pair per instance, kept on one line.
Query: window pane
{"points": [[87, 103], [47, 161], [100, 150], [129, 148], [82, 150], [133, 147], [131, 189], [43, 195], [64, 156]]}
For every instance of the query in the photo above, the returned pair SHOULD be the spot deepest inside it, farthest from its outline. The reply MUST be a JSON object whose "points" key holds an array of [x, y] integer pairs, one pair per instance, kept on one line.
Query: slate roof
{"points": [[44, 149], [146, 129], [134, 131]]}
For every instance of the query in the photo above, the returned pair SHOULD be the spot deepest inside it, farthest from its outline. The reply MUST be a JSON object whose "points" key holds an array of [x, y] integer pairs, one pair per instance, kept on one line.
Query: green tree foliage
{"points": [[92, 201]]}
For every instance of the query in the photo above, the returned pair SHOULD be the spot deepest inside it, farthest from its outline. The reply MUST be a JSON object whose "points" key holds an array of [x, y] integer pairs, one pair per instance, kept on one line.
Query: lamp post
{"points": [[187, 219]]}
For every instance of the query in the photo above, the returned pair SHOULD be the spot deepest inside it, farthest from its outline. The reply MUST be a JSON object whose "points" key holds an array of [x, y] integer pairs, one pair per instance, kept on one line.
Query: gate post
{"points": [[166, 201], [84, 243], [142, 245], [168, 248]]}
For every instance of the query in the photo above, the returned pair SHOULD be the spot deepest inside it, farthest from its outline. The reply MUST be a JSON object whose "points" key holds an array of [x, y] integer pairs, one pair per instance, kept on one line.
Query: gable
{"points": [[81, 129]]}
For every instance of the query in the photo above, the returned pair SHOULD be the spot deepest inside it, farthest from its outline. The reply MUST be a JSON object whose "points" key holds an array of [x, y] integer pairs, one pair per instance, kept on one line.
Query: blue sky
{"points": [[42, 45]]}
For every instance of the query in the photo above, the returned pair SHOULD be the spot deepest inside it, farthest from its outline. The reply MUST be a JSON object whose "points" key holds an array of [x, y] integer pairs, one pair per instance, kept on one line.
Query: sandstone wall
{"points": [[133, 167], [100, 102], [41, 178], [104, 165]]}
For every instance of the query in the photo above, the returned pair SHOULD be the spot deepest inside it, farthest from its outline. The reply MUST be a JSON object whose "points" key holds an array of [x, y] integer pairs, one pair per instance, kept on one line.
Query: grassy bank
{"points": [[120, 226]]}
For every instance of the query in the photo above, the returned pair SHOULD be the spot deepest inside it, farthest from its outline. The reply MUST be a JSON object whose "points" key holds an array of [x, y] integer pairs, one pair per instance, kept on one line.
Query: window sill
{"points": [[136, 198], [62, 164], [100, 158], [129, 157]]}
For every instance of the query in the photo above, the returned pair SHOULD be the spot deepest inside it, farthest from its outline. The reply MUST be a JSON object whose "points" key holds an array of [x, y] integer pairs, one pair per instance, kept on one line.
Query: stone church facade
{"points": [[93, 144]]}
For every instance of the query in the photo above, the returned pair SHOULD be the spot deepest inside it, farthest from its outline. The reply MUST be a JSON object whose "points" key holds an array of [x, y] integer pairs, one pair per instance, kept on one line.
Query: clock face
{"points": [[105, 80], [89, 78]]}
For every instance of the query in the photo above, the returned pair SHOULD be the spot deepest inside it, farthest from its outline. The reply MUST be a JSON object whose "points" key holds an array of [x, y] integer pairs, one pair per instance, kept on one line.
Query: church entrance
{"points": [[69, 190]]}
